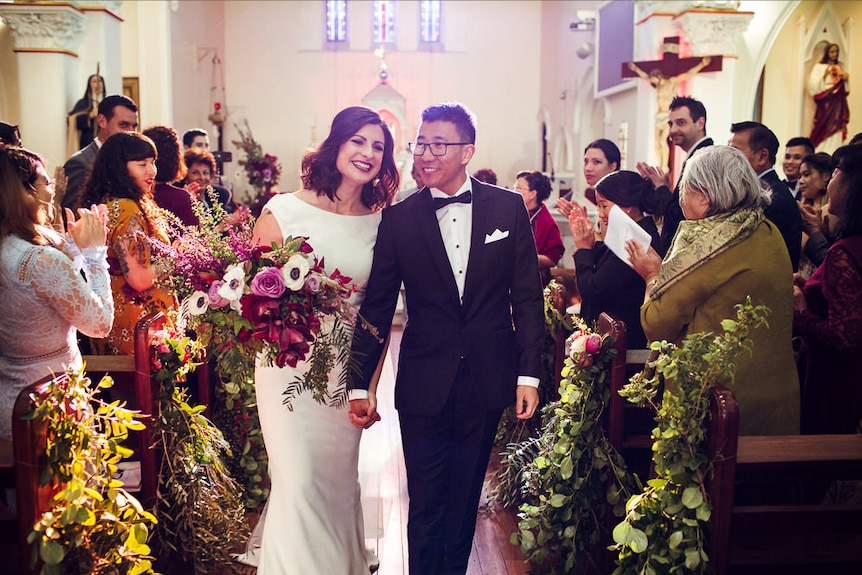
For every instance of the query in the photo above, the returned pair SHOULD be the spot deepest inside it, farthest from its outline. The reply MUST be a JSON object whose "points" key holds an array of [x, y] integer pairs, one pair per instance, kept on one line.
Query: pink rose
{"points": [[594, 343], [268, 283], [216, 301], [312, 283]]}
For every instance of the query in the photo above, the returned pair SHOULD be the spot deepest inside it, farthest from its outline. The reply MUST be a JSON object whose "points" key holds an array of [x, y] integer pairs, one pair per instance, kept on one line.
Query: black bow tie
{"points": [[464, 198]]}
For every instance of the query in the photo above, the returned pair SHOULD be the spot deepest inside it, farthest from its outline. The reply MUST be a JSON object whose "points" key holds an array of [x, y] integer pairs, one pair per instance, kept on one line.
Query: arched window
{"points": [[429, 25], [384, 22], [336, 23]]}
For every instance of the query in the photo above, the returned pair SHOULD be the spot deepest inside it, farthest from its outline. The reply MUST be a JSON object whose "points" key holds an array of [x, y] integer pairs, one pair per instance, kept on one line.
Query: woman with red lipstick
{"points": [[601, 157], [607, 283], [123, 178]]}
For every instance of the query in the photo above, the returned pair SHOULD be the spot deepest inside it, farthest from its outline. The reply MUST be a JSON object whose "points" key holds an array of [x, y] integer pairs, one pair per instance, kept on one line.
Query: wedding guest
{"points": [[82, 117], [465, 253], [535, 188], [486, 175], [794, 152], [828, 314], [117, 113], [198, 182], [314, 519], [814, 174], [606, 282], [601, 157], [123, 178], [196, 138], [44, 299], [724, 251], [170, 167]]}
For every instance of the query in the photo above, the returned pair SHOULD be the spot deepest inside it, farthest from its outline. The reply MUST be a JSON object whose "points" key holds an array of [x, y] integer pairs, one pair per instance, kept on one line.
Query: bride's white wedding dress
{"points": [[313, 524]]}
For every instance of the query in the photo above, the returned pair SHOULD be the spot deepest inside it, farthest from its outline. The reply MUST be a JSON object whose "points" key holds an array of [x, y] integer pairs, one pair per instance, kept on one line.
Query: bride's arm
{"points": [[266, 230]]}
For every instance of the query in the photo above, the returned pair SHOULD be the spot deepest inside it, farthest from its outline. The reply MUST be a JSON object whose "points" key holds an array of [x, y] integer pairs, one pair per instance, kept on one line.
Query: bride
{"points": [[314, 523]]}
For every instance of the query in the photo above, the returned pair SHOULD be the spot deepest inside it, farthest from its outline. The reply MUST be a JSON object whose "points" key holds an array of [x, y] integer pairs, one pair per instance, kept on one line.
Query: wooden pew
{"points": [[780, 538]]}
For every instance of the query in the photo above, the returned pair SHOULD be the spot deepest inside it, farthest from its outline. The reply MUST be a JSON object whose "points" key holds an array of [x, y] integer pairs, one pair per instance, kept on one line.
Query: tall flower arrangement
{"points": [[262, 170], [244, 301]]}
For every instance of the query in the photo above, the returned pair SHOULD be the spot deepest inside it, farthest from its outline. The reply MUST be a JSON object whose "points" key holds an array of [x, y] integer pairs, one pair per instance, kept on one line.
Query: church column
{"points": [[46, 38]]}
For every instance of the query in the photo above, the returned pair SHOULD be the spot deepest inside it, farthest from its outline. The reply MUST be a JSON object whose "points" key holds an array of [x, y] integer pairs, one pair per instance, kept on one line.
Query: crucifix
{"points": [[665, 75]]}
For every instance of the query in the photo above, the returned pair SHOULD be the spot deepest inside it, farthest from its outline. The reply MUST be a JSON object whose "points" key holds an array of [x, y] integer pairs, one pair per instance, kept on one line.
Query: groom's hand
{"points": [[363, 414], [526, 401]]}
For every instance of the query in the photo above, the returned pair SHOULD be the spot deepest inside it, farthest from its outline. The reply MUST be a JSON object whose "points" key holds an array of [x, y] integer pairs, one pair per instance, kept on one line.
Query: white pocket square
{"points": [[497, 235]]}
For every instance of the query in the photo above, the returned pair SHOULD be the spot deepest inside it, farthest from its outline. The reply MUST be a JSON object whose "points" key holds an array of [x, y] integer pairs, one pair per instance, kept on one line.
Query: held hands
{"points": [[526, 401], [363, 412], [90, 230], [654, 174]]}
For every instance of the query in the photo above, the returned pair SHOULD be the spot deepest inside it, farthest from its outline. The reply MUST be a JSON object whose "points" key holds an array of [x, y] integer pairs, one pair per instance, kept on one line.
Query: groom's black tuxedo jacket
{"points": [[499, 328]]}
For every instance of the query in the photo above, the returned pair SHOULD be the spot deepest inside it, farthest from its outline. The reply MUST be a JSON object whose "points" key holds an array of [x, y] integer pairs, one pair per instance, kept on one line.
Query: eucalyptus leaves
{"points": [[576, 472], [663, 530]]}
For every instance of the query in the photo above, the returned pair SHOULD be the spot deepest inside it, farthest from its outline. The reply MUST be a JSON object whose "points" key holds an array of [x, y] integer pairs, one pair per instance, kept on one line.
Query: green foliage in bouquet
{"points": [[577, 472], [199, 505], [663, 530], [94, 526]]}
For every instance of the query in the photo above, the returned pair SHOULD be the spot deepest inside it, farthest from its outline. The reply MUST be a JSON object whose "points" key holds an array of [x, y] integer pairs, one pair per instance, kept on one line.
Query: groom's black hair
{"points": [[458, 114]]}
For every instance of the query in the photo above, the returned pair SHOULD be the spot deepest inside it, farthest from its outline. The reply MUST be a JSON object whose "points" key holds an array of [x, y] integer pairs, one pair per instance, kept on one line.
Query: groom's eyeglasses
{"points": [[437, 148]]}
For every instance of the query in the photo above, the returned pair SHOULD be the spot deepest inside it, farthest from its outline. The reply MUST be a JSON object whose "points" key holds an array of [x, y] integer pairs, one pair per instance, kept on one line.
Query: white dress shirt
{"points": [[456, 224]]}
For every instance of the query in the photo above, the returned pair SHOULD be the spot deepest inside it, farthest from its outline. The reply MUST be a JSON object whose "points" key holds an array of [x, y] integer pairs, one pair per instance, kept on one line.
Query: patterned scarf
{"points": [[698, 241]]}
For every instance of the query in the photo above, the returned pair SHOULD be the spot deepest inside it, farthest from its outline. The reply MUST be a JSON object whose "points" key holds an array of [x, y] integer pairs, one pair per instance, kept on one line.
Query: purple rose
{"points": [[216, 301], [268, 283], [312, 283]]}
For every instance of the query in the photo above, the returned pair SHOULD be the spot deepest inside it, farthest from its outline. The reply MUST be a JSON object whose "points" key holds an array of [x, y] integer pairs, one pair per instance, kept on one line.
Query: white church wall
{"points": [[289, 88]]}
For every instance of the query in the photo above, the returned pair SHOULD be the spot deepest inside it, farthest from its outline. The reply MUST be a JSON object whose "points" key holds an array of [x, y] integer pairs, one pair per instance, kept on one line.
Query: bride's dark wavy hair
{"points": [[110, 177], [319, 171]]}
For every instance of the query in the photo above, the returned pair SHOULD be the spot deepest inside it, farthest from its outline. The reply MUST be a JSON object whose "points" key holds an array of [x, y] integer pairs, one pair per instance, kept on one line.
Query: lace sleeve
{"points": [[87, 304], [841, 329]]}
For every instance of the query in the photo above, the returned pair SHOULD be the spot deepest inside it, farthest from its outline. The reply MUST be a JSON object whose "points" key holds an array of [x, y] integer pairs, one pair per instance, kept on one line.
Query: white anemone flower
{"points": [[234, 284], [198, 303], [294, 272]]}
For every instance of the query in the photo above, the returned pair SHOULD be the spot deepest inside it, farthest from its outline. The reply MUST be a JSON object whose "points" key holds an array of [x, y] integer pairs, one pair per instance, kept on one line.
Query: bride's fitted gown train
{"points": [[313, 524]]}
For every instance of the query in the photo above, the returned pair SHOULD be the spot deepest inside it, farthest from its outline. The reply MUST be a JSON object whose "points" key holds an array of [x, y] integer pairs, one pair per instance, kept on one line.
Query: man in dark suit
{"points": [[794, 152], [465, 253], [117, 113], [687, 123], [760, 146]]}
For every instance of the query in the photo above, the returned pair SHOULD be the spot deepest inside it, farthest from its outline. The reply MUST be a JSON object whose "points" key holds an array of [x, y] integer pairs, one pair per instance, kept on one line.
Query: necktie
{"points": [[464, 198]]}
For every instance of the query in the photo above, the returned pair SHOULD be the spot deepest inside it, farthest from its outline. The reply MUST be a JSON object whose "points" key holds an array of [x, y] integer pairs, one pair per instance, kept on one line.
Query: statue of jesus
{"points": [[666, 88]]}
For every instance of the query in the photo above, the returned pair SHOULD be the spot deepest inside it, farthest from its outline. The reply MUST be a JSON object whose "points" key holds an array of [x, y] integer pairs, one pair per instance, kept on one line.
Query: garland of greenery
{"points": [[577, 472], [520, 436], [202, 517], [94, 526], [663, 530]]}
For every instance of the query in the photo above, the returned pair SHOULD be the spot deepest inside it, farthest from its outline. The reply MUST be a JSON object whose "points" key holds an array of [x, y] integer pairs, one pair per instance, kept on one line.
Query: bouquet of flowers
{"points": [[583, 345], [275, 301], [243, 301], [262, 170]]}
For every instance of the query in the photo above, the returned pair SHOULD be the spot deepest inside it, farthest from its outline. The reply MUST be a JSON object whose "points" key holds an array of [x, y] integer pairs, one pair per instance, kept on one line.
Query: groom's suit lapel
{"points": [[426, 217], [482, 224]]}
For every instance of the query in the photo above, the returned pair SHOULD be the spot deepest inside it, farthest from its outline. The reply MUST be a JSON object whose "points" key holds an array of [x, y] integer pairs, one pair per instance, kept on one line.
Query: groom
{"points": [[464, 251]]}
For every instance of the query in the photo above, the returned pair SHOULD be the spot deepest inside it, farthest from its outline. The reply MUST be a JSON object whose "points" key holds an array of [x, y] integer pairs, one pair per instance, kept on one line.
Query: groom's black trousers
{"points": [[446, 457]]}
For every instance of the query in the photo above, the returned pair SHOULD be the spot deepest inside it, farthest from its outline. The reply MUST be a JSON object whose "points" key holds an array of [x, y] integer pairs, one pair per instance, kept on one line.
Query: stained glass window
{"points": [[384, 22], [336, 20], [429, 21]]}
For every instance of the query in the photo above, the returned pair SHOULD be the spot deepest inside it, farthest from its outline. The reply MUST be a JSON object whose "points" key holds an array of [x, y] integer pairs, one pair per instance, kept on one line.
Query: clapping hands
{"points": [[90, 230]]}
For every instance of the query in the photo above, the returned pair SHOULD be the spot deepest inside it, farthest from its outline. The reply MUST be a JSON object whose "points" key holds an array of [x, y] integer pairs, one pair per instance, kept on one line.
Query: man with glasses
{"points": [[465, 253]]}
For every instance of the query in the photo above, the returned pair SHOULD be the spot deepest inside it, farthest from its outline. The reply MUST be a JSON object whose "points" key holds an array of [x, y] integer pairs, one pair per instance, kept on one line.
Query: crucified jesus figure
{"points": [[666, 88]]}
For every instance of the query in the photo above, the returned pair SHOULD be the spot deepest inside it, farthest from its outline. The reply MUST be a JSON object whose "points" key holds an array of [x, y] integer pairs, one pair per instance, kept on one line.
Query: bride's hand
{"points": [[363, 412]]}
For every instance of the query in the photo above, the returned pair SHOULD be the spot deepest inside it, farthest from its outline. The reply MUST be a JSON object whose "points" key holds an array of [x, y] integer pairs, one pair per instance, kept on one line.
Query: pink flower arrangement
{"points": [[583, 345]]}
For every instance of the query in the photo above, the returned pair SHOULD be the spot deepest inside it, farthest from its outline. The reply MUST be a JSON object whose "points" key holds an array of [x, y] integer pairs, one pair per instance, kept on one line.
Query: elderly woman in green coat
{"points": [[725, 251]]}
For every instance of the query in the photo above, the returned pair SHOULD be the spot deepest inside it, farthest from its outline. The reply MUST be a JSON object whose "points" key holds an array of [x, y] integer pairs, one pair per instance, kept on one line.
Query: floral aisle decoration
{"points": [[94, 526], [243, 301], [199, 505], [520, 437], [664, 527], [262, 170], [576, 472]]}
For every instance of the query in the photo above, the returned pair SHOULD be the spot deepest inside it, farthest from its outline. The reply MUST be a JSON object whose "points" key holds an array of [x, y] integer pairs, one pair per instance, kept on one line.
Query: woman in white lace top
{"points": [[44, 298]]}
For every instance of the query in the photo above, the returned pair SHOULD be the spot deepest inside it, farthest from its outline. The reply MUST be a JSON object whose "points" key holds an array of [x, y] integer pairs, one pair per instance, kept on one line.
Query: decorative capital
{"points": [[712, 32], [648, 7], [44, 28]]}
